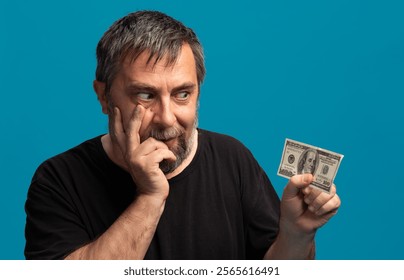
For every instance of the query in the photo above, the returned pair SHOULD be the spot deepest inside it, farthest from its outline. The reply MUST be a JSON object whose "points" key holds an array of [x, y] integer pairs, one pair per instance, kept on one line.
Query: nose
{"points": [[163, 114]]}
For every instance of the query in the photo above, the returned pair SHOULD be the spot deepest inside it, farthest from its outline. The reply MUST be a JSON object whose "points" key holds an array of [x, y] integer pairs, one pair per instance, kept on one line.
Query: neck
{"points": [[115, 154]]}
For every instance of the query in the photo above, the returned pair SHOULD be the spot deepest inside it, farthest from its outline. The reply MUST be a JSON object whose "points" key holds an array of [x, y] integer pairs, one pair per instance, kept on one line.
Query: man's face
{"points": [[169, 94], [310, 162]]}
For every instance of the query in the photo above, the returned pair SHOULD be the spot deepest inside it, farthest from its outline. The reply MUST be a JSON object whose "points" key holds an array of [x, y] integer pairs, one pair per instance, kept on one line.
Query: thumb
{"points": [[296, 183]]}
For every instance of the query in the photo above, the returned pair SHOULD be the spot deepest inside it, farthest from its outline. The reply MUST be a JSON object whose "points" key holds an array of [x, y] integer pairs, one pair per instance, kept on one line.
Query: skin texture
{"points": [[146, 97]]}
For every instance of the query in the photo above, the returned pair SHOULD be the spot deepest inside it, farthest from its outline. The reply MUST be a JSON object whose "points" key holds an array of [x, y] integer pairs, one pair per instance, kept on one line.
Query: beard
{"points": [[181, 149]]}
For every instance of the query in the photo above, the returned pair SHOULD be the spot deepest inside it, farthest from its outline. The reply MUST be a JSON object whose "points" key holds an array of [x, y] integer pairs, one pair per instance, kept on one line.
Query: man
{"points": [[308, 162], [156, 186]]}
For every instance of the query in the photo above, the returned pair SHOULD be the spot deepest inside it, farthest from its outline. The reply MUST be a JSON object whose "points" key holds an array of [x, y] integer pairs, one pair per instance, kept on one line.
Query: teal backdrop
{"points": [[328, 73]]}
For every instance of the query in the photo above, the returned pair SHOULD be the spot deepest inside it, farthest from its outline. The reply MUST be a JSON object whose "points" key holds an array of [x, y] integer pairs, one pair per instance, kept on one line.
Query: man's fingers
{"points": [[162, 154], [296, 183], [118, 130], [331, 206], [134, 125], [150, 145], [310, 194], [315, 194], [320, 203], [148, 163]]}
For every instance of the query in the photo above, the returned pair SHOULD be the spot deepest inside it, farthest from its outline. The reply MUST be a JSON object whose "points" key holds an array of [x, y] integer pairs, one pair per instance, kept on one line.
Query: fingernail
{"points": [[311, 208]]}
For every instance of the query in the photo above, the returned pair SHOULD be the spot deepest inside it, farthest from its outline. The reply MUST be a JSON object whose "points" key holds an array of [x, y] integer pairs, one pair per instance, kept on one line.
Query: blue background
{"points": [[328, 73]]}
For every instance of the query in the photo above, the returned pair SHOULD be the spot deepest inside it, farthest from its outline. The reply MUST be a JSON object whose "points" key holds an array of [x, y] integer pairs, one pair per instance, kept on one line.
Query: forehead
{"points": [[144, 64], [311, 154]]}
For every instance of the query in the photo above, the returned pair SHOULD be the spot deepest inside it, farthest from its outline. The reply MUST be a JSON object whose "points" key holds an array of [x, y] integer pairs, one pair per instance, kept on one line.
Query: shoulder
{"points": [[223, 141], [72, 159], [225, 148]]}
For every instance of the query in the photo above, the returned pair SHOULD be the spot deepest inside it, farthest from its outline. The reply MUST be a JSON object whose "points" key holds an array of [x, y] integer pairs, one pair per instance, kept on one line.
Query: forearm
{"points": [[129, 236], [287, 247]]}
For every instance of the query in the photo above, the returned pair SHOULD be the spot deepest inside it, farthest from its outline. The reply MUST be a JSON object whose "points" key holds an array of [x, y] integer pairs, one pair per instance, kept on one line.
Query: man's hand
{"points": [[142, 159], [305, 209]]}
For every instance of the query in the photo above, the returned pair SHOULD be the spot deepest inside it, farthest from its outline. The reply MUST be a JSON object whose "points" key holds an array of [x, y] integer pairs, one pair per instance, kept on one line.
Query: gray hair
{"points": [[152, 31]]}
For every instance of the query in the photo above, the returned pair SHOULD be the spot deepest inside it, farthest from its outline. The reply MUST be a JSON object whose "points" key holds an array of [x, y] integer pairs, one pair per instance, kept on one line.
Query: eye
{"points": [[182, 96], [144, 96]]}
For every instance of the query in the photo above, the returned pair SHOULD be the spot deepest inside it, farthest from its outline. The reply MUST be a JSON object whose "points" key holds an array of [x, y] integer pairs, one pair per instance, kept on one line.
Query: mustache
{"points": [[167, 133]]}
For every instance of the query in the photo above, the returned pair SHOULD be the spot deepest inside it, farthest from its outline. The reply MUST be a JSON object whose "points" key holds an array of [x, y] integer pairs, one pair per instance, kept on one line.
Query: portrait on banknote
{"points": [[308, 162]]}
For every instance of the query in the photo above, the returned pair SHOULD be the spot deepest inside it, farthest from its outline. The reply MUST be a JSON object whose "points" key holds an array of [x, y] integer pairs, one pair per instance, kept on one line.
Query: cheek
{"points": [[186, 116]]}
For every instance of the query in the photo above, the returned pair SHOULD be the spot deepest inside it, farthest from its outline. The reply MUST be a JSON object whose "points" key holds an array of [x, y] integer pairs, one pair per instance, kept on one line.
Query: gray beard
{"points": [[181, 151]]}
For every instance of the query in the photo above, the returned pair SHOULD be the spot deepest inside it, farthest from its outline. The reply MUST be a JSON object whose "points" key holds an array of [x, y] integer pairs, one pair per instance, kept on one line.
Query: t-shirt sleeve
{"points": [[53, 227]]}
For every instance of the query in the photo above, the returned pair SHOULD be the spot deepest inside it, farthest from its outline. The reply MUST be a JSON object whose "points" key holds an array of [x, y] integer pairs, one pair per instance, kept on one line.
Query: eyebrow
{"points": [[142, 86], [147, 87]]}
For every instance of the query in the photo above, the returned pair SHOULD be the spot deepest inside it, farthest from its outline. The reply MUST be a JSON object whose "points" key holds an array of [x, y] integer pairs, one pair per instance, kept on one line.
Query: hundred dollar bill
{"points": [[300, 158]]}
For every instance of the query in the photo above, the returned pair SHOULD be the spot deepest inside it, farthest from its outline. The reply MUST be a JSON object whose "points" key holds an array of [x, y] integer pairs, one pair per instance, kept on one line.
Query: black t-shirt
{"points": [[222, 206]]}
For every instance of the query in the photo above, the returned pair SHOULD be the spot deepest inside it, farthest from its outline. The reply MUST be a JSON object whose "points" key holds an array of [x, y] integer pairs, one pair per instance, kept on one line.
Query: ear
{"points": [[99, 88]]}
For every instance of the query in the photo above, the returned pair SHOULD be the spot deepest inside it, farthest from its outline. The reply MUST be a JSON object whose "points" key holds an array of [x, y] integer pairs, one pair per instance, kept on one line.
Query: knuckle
{"points": [[149, 141]]}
